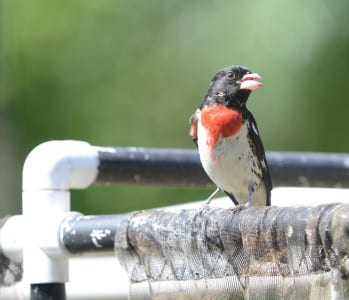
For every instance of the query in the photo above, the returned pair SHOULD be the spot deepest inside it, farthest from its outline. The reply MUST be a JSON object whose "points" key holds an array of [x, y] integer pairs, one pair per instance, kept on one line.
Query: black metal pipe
{"points": [[90, 233], [47, 291], [182, 167], [309, 169], [151, 166]]}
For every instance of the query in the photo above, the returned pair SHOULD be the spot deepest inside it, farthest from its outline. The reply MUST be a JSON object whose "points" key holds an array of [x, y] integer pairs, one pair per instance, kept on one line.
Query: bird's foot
{"points": [[212, 196], [204, 206], [207, 202]]}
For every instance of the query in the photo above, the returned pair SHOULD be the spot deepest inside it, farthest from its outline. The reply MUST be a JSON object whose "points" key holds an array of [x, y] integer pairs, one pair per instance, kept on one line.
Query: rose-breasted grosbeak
{"points": [[225, 131]]}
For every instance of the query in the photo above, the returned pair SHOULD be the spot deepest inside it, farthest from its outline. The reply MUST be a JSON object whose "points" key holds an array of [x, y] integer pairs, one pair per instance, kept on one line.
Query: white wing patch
{"points": [[254, 128], [263, 164]]}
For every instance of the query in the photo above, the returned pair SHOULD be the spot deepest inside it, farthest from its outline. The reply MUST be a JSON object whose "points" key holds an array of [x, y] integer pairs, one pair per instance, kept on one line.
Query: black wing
{"points": [[259, 151]]}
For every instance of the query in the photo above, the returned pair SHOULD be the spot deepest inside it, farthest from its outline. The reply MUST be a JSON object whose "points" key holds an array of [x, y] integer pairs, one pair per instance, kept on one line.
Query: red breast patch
{"points": [[220, 120]]}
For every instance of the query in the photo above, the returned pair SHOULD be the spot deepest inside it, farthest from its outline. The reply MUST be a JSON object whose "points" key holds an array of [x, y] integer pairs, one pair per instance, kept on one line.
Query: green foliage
{"points": [[130, 73]]}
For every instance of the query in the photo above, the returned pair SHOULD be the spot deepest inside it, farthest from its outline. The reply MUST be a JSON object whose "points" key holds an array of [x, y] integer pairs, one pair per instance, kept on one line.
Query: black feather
{"points": [[258, 149]]}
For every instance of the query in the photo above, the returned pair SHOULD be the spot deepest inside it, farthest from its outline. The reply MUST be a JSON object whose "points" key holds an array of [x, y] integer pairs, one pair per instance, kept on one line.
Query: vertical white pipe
{"points": [[49, 172]]}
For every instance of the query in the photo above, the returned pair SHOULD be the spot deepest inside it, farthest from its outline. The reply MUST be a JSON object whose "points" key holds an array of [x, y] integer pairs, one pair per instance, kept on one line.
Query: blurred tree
{"points": [[130, 73]]}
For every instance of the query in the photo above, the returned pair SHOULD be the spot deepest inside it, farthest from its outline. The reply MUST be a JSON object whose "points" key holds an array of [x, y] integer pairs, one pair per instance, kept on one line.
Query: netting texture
{"points": [[10, 272], [243, 253]]}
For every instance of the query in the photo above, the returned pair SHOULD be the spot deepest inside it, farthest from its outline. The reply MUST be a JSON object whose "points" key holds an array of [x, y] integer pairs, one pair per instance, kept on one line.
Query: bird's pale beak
{"points": [[250, 82]]}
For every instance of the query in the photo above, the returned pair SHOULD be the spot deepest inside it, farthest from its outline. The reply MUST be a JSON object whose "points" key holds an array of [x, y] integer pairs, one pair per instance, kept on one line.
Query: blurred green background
{"points": [[130, 73]]}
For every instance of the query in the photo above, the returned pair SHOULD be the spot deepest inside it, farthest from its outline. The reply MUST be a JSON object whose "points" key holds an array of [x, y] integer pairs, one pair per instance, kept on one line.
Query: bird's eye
{"points": [[231, 75]]}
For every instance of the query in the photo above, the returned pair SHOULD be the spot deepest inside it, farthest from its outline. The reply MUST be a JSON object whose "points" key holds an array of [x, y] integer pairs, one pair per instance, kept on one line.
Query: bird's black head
{"points": [[231, 86]]}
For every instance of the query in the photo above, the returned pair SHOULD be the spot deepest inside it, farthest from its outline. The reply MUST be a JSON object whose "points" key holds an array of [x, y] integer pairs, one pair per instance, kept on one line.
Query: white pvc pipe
{"points": [[50, 171], [60, 165], [11, 238]]}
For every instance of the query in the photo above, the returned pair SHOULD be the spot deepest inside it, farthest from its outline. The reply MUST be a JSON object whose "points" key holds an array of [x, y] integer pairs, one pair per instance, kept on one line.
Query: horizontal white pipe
{"points": [[285, 197], [11, 238], [297, 196], [92, 278]]}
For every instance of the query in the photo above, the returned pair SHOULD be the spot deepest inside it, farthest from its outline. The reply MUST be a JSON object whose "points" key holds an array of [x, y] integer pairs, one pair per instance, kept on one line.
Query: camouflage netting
{"points": [[10, 272], [254, 253]]}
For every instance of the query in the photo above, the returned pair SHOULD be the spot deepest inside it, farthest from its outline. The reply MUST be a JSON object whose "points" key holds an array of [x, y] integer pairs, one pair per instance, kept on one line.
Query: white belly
{"points": [[230, 163]]}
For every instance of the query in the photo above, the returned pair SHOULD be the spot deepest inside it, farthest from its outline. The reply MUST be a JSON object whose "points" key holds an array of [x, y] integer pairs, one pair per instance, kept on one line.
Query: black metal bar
{"points": [[47, 291], [182, 167], [309, 169], [90, 233], [151, 166]]}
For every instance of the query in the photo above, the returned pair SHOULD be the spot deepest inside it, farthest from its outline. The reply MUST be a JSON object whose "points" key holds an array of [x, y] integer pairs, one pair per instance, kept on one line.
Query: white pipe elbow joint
{"points": [[60, 165], [52, 169]]}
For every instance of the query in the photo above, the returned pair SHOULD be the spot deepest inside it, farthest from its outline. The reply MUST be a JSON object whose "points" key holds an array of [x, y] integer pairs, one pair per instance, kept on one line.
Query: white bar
{"points": [[284, 196], [93, 278], [296, 196]]}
